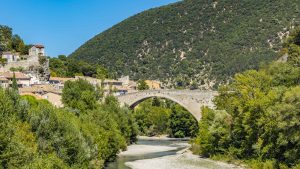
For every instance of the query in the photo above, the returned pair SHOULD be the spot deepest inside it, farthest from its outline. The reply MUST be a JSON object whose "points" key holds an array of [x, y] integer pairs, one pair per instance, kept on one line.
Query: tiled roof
{"points": [[32, 94], [18, 75], [39, 88], [3, 79], [111, 81], [61, 79], [10, 53], [39, 46], [6, 53]]}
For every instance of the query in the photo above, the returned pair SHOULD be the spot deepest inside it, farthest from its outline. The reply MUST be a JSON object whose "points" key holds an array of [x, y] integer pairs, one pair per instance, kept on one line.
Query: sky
{"points": [[64, 25]]}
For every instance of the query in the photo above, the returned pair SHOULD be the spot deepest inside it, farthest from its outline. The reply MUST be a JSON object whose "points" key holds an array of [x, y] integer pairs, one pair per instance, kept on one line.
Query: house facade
{"points": [[53, 98], [59, 82], [11, 56], [22, 79], [4, 83], [153, 84], [37, 50]]}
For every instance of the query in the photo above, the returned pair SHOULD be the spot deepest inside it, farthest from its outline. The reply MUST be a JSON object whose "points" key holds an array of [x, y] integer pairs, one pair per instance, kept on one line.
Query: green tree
{"points": [[62, 57], [18, 44], [182, 123], [101, 73], [35, 134], [214, 135], [158, 116], [80, 94], [258, 118], [3, 61], [293, 46], [142, 85], [5, 38], [14, 83]]}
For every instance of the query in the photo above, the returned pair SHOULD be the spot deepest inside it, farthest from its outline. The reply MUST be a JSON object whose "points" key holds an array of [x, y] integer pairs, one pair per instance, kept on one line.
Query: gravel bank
{"points": [[182, 160]]}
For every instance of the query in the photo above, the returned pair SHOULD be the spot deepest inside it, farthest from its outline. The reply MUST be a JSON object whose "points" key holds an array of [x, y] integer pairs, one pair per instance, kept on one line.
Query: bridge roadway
{"points": [[191, 100]]}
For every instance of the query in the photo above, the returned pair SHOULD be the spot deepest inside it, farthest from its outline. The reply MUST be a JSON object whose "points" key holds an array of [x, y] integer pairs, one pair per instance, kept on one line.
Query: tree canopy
{"points": [[11, 42], [159, 117], [257, 116], [35, 134]]}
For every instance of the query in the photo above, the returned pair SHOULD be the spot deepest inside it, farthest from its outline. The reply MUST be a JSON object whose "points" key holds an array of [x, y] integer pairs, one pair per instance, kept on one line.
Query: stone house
{"points": [[22, 79], [4, 83], [53, 98], [37, 50], [117, 87], [47, 92], [125, 80], [93, 81], [11, 56], [153, 84], [59, 82]]}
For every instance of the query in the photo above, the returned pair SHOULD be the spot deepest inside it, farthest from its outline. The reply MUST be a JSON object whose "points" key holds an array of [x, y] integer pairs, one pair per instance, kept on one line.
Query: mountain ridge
{"points": [[192, 43]]}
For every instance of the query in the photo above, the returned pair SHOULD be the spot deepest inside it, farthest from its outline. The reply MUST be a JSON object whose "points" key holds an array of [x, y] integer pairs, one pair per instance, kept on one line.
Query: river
{"points": [[163, 154]]}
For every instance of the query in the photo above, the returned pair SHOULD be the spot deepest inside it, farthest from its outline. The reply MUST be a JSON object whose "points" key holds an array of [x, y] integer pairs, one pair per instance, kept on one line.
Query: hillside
{"points": [[194, 43]]}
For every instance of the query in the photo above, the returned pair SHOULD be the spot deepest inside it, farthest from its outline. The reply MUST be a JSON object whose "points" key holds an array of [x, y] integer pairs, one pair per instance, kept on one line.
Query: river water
{"points": [[122, 159]]}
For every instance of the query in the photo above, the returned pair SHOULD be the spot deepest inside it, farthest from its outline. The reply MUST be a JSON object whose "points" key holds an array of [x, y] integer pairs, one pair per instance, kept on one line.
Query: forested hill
{"points": [[194, 42]]}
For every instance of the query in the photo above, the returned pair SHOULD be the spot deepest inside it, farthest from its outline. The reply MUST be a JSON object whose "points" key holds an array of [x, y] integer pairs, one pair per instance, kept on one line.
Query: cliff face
{"points": [[194, 43]]}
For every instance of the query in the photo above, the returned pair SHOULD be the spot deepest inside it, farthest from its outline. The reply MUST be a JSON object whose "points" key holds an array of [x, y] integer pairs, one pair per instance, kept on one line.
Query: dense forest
{"points": [[63, 66], [164, 117], [257, 115], [197, 43], [84, 134]]}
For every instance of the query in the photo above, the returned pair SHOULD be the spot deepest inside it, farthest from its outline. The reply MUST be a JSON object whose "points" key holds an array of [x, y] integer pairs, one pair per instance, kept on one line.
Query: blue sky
{"points": [[63, 25]]}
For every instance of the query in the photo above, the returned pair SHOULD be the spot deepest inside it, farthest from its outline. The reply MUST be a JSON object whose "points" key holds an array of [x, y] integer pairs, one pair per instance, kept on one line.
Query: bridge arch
{"points": [[191, 100], [133, 105]]}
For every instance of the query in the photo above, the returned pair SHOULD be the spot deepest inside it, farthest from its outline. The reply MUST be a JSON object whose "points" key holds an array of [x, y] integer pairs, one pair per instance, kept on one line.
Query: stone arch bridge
{"points": [[191, 100]]}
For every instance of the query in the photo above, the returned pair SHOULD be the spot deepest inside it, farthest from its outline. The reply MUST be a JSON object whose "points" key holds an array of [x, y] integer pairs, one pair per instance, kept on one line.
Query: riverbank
{"points": [[182, 160], [145, 149]]}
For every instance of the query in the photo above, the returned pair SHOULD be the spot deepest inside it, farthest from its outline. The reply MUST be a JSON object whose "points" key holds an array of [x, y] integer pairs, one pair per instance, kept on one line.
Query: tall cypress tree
{"points": [[14, 83]]}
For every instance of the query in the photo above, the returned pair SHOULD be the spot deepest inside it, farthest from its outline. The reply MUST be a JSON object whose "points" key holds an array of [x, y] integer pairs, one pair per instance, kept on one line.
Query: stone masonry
{"points": [[191, 100]]}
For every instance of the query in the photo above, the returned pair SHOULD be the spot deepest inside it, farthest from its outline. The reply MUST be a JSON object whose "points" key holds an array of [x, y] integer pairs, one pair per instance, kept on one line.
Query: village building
{"points": [[22, 79], [53, 98], [117, 87], [37, 50], [125, 80], [4, 83], [111, 83], [93, 81], [45, 91], [59, 82], [129, 85], [11, 56], [34, 80], [153, 84], [40, 89], [132, 86], [29, 63]]}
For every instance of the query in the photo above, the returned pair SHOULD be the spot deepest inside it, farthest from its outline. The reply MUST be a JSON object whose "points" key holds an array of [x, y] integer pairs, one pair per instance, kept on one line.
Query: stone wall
{"points": [[31, 61]]}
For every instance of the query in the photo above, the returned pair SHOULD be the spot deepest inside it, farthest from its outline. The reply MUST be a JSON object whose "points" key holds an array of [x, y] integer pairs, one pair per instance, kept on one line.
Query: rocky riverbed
{"points": [[164, 153], [181, 160]]}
